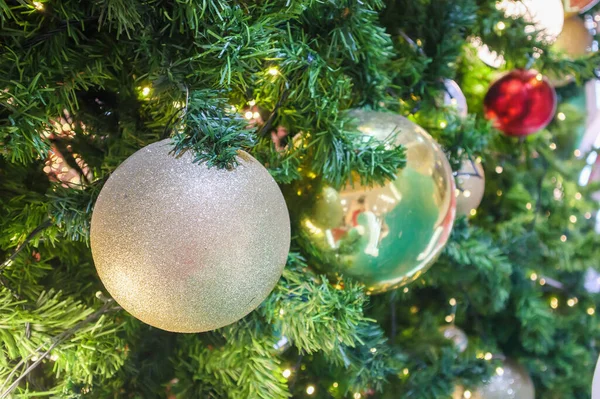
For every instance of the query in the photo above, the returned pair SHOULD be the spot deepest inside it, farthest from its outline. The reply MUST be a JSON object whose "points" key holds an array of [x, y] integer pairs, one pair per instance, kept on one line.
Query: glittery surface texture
{"points": [[510, 381], [387, 236], [186, 248]]}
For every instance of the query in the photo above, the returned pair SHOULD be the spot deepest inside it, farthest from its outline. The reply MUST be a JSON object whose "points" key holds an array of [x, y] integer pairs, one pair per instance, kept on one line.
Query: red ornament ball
{"points": [[521, 103]]}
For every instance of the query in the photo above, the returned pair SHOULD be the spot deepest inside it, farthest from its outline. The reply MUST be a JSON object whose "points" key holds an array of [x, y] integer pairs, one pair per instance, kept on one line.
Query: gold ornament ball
{"points": [[575, 39], [389, 235], [457, 336], [470, 187], [509, 381], [187, 248]]}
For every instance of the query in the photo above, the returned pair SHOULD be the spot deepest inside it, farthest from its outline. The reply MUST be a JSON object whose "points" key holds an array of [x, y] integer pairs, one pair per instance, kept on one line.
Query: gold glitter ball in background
{"points": [[470, 187], [509, 381], [385, 236], [187, 248]]}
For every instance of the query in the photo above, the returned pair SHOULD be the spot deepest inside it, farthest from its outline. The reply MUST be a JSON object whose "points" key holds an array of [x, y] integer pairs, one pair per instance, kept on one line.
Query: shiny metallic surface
{"points": [[387, 236], [457, 336], [186, 248], [470, 187]]}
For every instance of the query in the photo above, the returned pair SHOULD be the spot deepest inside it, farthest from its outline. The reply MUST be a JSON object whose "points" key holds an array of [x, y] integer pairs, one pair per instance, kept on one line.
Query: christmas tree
{"points": [[407, 300]]}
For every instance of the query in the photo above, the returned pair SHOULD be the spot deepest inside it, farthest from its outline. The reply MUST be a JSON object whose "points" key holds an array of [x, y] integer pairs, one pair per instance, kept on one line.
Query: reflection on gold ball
{"points": [[470, 187], [186, 248], [387, 235]]}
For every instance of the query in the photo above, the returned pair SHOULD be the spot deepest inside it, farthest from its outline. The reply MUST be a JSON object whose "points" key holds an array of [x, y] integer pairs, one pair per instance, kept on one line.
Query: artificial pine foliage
{"points": [[128, 73]]}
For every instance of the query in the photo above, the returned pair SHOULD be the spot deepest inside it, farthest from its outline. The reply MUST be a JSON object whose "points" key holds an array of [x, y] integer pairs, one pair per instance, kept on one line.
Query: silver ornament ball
{"points": [[457, 336], [455, 98], [470, 187], [188, 248]]}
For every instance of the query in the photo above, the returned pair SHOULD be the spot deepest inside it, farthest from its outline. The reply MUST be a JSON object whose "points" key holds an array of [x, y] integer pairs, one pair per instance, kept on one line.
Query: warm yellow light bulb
{"points": [[310, 389], [287, 373]]}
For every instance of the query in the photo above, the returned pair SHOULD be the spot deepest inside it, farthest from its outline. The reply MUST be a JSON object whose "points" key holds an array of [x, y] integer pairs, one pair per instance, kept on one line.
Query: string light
{"points": [[552, 146], [256, 115], [145, 91], [467, 193], [38, 5], [563, 238], [533, 276], [499, 193], [405, 290], [310, 389], [287, 373], [452, 302], [273, 71], [528, 206], [554, 303], [405, 372], [414, 309], [443, 124], [573, 219], [488, 356], [500, 25], [561, 116], [252, 103], [591, 311], [467, 394], [571, 302], [473, 212], [357, 395], [588, 215], [281, 312], [373, 350], [335, 385], [578, 196], [539, 77], [500, 371], [449, 318], [499, 169], [542, 281], [248, 115], [577, 153]]}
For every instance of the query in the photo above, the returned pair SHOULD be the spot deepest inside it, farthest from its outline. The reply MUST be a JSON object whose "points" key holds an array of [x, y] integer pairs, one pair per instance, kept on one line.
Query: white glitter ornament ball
{"points": [[187, 248]]}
